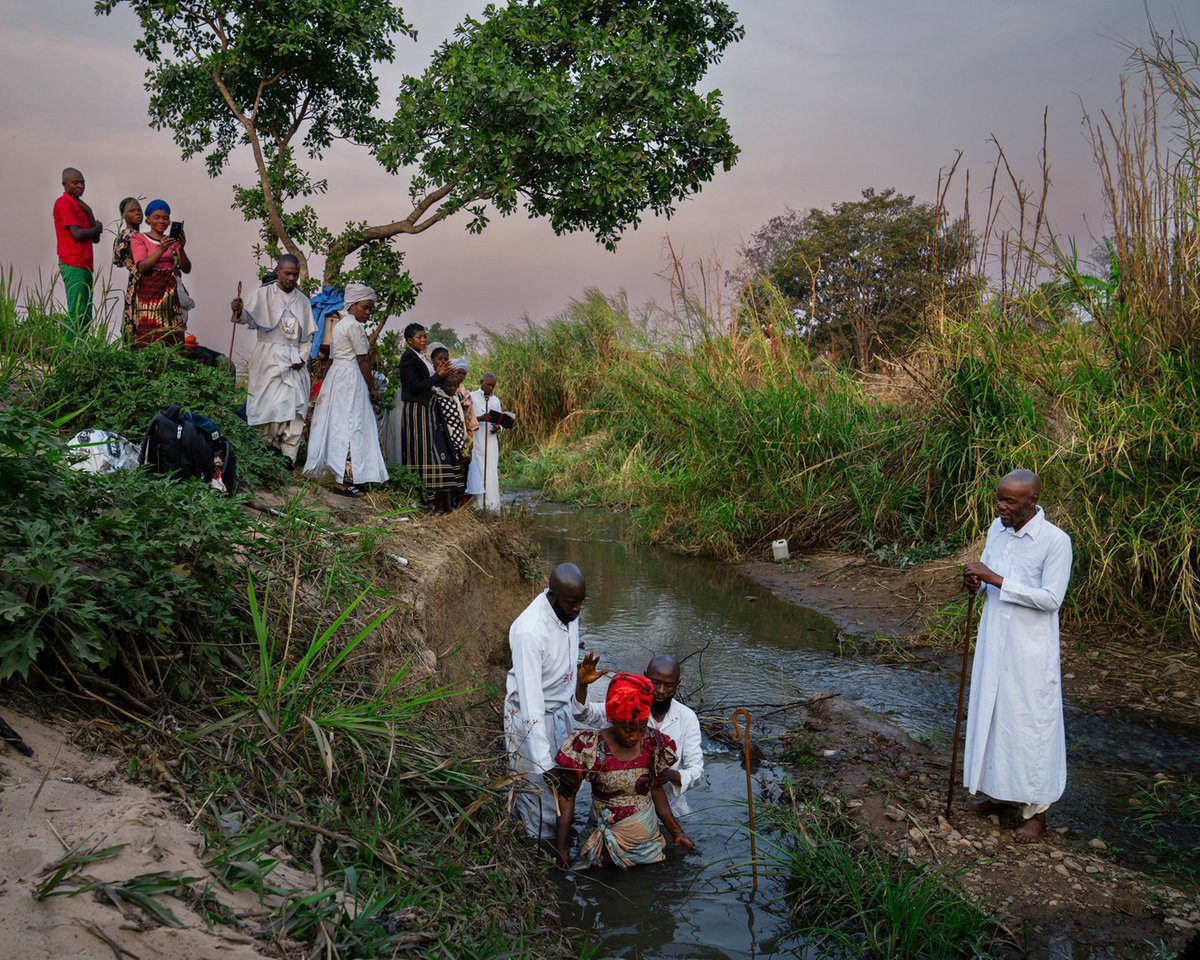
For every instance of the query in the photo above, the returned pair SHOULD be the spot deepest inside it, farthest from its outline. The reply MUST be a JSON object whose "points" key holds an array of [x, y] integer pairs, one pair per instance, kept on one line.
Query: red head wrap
{"points": [[628, 698]]}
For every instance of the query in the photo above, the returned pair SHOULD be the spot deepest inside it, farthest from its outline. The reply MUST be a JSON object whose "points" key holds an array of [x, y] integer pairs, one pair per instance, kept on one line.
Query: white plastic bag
{"points": [[99, 451]]}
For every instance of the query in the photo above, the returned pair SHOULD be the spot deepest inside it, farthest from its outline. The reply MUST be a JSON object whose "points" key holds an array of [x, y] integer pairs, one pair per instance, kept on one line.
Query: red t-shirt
{"points": [[71, 252]]}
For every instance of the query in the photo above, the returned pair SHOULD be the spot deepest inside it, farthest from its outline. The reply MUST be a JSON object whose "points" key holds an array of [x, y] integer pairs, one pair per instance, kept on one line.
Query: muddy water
{"points": [[763, 653]]}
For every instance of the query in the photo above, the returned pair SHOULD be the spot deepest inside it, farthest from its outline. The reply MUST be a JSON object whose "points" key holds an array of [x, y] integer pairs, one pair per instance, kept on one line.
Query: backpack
{"points": [[189, 445]]}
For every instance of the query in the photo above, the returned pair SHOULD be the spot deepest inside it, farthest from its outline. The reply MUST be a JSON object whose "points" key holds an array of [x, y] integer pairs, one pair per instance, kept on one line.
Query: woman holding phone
{"points": [[159, 256]]}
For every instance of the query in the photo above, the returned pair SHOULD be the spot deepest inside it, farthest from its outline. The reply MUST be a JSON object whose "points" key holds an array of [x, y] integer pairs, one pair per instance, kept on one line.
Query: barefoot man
{"points": [[1016, 750]]}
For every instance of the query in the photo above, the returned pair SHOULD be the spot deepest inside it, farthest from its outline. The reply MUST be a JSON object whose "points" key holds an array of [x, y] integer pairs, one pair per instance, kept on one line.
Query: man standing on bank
{"points": [[278, 384], [544, 641], [1016, 746], [76, 230], [667, 715]]}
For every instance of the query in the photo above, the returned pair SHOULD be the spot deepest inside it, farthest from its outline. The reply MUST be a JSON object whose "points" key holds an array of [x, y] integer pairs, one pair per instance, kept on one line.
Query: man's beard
{"points": [[660, 706]]}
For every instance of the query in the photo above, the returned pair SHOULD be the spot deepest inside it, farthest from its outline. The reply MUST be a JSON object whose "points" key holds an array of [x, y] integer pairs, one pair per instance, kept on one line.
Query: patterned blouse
{"points": [[623, 786]]}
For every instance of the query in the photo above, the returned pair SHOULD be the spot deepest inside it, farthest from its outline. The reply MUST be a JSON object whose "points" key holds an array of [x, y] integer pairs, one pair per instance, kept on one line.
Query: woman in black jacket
{"points": [[424, 444]]}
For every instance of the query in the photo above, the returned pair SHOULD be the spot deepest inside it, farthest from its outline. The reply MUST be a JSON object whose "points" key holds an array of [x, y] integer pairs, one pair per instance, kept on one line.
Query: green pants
{"points": [[77, 284]]}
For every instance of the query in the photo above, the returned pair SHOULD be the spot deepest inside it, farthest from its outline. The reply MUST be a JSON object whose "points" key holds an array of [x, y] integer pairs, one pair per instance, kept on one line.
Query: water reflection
{"points": [[758, 651]]}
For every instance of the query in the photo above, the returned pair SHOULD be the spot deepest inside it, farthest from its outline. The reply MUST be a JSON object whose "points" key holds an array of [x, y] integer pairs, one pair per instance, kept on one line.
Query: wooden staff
{"points": [[962, 686], [234, 320], [744, 735]]}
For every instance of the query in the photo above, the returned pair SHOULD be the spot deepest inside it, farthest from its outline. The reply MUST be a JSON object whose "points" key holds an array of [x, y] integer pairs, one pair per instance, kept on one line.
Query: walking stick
{"points": [[962, 686], [744, 736], [233, 334]]}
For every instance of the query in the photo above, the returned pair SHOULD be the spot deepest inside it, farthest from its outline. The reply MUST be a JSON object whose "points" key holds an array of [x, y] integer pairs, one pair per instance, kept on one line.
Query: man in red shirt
{"points": [[75, 229]]}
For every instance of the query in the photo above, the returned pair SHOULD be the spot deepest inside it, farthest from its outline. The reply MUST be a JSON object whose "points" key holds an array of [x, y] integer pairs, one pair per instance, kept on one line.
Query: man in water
{"points": [[544, 641], [1016, 746], [667, 715], [76, 231], [278, 384]]}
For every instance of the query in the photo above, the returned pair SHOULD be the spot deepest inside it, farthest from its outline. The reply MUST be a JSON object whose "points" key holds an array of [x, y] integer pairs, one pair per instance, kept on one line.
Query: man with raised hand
{"points": [[667, 715], [278, 383], [1016, 750], [544, 641], [76, 231]]}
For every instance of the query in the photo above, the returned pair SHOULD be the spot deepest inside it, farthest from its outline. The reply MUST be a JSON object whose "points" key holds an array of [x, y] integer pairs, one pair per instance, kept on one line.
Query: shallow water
{"points": [[760, 652]]}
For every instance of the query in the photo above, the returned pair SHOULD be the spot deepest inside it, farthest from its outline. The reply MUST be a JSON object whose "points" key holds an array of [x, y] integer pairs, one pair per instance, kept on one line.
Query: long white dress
{"points": [[537, 712], [278, 376], [483, 475], [1016, 744], [343, 420]]}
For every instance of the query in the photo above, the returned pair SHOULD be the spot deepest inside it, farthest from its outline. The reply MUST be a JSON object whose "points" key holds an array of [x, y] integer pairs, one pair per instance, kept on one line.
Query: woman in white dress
{"points": [[344, 438]]}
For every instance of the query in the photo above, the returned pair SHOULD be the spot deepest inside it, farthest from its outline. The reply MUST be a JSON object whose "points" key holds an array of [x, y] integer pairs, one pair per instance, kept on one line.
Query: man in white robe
{"points": [[1016, 750], [483, 475], [544, 641], [667, 715], [278, 387]]}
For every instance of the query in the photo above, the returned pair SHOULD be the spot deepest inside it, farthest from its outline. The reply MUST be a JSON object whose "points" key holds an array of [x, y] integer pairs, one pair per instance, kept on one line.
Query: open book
{"points": [[505, 420]]}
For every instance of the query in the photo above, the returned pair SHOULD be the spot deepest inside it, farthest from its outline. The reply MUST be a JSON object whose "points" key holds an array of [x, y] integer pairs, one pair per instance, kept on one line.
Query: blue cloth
{"points": [[157, 205], [329, 300]]}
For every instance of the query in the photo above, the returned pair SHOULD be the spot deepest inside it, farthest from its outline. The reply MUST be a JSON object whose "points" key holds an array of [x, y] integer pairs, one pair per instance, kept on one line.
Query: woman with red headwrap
{"points": [[623, 762]]}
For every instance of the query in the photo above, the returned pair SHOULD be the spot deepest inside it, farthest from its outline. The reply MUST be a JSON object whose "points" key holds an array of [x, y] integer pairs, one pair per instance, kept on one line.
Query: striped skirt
{"points": [[426, 448]]}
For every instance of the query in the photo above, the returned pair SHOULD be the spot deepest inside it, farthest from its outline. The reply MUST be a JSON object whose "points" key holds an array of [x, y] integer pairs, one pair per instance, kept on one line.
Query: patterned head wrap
{"points": [[628, 698], [155, 205], [356, 292]]}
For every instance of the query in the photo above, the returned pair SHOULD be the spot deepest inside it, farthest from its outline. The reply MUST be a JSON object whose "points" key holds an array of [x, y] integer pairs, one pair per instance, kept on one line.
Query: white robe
{"points": [[278, 390], [537, 714], [1016, 744], [680, 724], [483, 475], [343, 420]]}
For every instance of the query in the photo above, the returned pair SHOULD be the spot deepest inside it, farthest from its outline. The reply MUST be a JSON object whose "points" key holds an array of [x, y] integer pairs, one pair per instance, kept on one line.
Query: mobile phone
{"points": [[176, 229]]}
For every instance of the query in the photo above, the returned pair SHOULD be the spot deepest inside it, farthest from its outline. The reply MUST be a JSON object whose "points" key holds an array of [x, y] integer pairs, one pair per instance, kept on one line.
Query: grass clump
{"points": [[850, 898]]}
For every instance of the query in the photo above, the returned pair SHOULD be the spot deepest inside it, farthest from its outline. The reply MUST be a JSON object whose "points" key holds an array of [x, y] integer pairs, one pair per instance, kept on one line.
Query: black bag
{"points": [[188, 445]]}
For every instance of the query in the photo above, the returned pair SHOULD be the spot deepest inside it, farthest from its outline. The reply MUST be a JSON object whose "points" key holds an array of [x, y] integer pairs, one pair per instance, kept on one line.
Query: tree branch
{"points": [[341, 248]]}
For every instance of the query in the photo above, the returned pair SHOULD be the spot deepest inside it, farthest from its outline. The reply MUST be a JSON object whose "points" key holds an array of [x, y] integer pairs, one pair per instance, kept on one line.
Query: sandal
{"points": [[352, 490]]}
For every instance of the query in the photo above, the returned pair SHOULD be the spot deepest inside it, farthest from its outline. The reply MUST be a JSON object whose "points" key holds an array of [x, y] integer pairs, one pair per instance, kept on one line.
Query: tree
{"points": [[584, 112], [859, 278]]}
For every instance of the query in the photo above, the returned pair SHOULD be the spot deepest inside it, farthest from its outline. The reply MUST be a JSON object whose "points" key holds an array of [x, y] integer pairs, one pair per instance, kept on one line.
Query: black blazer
{"points": [[416, 382]]}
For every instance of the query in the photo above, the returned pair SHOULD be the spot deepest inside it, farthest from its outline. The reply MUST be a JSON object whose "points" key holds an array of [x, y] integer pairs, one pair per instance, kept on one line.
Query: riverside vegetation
{"points": [[231, 647], [723, 433]]}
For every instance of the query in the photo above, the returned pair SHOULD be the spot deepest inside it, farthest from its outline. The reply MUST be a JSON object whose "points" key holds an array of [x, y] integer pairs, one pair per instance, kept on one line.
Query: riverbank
{"points": [[916, 614], [206, 862], [1071, 893]]}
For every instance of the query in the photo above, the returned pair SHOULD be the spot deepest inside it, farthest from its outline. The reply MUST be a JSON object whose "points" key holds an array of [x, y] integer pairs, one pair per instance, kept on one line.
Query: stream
{"points": [[762, 653]]}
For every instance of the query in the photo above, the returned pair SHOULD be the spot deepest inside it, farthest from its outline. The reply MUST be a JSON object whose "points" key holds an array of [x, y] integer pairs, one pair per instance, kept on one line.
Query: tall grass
{"points": [[724, 436]]}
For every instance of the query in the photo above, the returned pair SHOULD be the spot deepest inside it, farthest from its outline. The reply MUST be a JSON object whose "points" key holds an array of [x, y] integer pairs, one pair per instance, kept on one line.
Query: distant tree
{"points": [[858, 278], [581, 111], [448, 336]]}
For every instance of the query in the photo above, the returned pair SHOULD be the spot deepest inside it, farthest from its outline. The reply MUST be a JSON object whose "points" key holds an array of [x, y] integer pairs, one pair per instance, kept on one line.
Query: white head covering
{"points": [[356, 292], [459, 364], [432, 348]]}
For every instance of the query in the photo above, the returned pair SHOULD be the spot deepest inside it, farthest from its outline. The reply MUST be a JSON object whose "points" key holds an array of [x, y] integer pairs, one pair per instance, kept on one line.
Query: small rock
{"points": [[1071, 864], [915, 835], [1061, 870], [1129, 906], [1097, 844], [1091, 868], [923, 779], [1062, 831], [944, 827], [1077, 887], [893, 813], [1053, 903], [1056, 854], [954, 836], [1179, 923], [830, 754], [853, 804], [994, 819], [1180, 694]]}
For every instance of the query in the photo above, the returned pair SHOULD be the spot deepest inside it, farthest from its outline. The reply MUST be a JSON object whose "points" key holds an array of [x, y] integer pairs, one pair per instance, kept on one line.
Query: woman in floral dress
{"points": [[624, 763], [131, 223]]}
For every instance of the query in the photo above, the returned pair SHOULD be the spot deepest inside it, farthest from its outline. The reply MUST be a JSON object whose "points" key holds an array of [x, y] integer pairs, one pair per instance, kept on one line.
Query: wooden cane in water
{"points": [[233, 320], [962, 686], [744, 735]]}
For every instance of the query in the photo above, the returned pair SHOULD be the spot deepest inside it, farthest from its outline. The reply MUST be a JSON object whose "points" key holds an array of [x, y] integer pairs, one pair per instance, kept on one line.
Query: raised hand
{"points": [[589, 671]]}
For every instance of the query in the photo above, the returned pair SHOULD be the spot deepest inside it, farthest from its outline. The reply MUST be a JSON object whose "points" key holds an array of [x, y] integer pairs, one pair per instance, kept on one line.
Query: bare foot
{"points": [[985, 805], [1032, 830]]}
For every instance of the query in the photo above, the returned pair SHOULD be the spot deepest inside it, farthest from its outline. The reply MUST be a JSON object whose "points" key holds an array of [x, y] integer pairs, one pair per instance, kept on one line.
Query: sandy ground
{"points": [[1067, 887], [68, 796]]}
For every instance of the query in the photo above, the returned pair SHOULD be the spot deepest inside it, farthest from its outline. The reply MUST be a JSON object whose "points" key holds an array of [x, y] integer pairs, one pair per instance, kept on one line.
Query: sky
{"points": [[824, 97]]}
